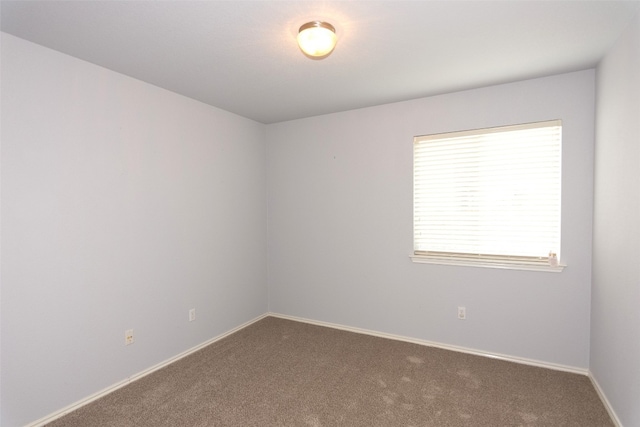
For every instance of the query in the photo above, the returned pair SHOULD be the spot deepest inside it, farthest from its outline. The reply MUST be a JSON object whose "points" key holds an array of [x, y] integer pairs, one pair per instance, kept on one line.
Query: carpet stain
{"points": [[416, 360], [352, 405], [390, 397], [464, 373], [382, 384], [406, 379], [312, 421], [431, 391], [464, 415], [528, 417], [471, 380]]}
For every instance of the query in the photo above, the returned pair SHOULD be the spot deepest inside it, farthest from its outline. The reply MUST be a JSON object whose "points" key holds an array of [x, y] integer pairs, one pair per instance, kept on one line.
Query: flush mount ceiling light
{"points": [[317, 39]]}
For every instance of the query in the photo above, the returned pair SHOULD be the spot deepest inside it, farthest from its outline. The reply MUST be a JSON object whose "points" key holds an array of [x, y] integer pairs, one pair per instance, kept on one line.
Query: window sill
{"points": [[487, 263]]}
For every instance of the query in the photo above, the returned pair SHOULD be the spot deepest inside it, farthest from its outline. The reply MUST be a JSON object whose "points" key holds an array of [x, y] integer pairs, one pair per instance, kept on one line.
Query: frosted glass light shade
{"points": [[317, 39]]}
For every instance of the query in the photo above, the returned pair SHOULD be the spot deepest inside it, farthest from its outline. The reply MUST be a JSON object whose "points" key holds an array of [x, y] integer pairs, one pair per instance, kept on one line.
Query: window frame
{"points": [[548, 263]]}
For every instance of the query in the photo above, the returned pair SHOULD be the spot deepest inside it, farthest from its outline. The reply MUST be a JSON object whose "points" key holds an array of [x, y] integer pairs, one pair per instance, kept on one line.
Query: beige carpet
{"points": [[282, 373]]}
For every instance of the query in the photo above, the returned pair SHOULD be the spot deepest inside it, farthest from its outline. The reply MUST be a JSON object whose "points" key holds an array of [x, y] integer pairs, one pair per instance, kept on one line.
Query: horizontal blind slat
{"points": [[496, 189]]}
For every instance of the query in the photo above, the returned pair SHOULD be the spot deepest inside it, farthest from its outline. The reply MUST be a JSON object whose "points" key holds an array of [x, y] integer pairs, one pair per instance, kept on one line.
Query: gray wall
{"points": [[615, 322], [123, 206], [340, 226]]}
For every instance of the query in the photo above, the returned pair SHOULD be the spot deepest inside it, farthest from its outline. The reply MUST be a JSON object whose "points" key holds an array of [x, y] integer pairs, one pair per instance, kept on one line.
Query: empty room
{"points": [[426, 217]]}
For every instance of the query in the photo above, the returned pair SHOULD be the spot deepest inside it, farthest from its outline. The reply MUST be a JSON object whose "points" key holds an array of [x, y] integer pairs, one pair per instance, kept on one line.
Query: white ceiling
{"points": [[242, 56]]}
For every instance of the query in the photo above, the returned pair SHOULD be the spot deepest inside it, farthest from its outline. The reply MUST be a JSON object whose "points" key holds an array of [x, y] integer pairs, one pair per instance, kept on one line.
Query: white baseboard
{"points": [[557, 367], [521, 360], [605, 401], [51, 417]]}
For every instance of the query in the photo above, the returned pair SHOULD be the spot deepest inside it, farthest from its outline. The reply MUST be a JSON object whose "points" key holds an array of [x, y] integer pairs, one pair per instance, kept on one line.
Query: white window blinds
{"points": [[490, 193]]}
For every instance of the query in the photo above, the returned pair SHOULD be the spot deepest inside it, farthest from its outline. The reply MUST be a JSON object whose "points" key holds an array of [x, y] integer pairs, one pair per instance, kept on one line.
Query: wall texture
{"points": [[123, 206], [615, 323], [340, 226]]}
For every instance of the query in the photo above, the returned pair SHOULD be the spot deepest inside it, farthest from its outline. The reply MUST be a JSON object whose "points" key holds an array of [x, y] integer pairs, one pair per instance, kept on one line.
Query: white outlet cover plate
{"points": [[128, 336]]}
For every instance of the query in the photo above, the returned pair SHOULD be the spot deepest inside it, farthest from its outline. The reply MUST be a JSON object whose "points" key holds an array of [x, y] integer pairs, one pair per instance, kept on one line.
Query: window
{"points": [[489, 197]]}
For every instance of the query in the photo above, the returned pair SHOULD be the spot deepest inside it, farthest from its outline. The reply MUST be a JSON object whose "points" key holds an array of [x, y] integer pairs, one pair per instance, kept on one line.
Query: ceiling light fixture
{"points": [[317, 39]]}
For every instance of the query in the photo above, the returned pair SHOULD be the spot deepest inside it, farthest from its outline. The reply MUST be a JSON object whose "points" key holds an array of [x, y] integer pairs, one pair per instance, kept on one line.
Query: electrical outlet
{"points": [[192, 315], [128, 337], [462, 313]]}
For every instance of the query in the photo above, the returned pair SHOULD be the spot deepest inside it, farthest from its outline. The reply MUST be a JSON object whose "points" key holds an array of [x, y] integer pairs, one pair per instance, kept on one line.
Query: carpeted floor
{"points": [[278, 372]]}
